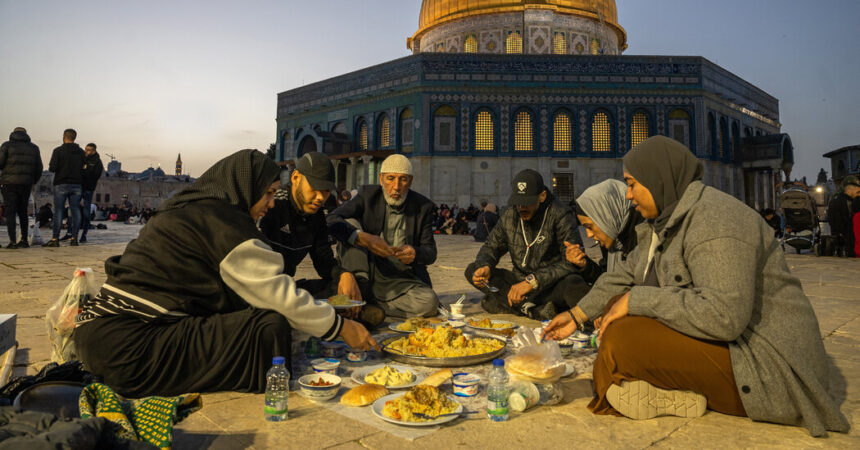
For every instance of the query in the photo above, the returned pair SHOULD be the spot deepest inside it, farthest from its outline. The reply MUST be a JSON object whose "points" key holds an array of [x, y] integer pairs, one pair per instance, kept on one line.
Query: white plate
{"points": [[393, 327], [352, 304], [379, 404], [358, 375], [508, 327]]}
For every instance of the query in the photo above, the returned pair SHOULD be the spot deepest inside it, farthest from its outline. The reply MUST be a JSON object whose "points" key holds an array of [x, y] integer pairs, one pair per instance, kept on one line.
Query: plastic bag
{"points": [[536, 362], [60, 318]]}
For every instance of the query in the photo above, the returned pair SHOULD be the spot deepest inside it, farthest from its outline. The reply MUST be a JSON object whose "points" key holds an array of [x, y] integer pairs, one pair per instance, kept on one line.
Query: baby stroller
{"points": [[802, 230]]}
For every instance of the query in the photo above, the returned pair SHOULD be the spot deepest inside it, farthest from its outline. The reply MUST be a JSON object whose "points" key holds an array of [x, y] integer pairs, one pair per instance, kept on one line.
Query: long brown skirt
{"points": [[640, 348]]}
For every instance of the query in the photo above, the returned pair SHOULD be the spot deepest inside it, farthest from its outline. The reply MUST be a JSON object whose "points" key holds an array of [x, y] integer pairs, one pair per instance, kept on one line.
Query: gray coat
{"points": [[724, 277]]}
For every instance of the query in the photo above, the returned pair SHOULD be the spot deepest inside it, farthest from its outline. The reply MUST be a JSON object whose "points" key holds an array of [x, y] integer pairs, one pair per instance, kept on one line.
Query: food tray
{"points": [[457, 361]]}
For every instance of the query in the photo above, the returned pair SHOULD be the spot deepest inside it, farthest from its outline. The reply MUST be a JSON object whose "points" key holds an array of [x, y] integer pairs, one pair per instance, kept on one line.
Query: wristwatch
{"points": [[530, 278]]}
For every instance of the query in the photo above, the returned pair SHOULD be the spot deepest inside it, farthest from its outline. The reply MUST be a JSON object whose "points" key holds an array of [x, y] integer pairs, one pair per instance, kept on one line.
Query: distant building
{"points": [[178, 164], [494, 87], [844, 161]]}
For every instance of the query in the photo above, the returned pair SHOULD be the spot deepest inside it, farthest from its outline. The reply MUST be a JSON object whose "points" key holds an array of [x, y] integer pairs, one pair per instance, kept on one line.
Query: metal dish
{"points": [[457, 361]]}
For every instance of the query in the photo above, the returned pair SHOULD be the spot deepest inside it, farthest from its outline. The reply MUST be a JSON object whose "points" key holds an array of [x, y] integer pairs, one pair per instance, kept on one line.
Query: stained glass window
{"points": [[514, 43], [600, 139], [362, 135], [484, 131], [561, 141], [471, 45], [559, 44], [384, 132], [523, 141], [639, 131]]}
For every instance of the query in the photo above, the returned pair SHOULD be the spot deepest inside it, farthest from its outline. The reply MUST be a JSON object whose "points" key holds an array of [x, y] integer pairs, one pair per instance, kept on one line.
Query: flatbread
{"points": [[363, 395]]}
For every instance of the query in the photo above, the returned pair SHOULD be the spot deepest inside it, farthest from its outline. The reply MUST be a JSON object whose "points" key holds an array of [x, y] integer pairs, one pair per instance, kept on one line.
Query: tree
{"points": [[271, 152]]}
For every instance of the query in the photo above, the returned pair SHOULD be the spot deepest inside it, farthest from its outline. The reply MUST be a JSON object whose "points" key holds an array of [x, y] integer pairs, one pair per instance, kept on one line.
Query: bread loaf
{"points": [[363, 395], [438, 378]]}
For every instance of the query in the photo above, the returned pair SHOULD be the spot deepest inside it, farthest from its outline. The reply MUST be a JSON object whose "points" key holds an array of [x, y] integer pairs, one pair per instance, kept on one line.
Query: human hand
{"points": [[357, 337], [405, 253], [560, 327], [375, 244], [481, 276], [348, 286], [574, 254], [618, 310], [518, 292]]}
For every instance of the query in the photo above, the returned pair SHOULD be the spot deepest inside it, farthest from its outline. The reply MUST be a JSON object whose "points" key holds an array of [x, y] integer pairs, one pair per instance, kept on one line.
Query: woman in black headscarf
{"points": [[704, 313], [199, 302]]}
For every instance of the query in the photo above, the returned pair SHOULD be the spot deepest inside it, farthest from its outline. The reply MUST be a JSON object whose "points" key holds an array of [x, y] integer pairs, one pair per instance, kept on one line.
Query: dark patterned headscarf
{"points": [[666, 167], [240, 180]]}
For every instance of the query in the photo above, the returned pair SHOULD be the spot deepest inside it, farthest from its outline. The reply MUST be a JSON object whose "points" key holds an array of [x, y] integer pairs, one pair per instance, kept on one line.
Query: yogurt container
{"points": [[332, 349], [466, 384], [326, 365], [524, 395]]}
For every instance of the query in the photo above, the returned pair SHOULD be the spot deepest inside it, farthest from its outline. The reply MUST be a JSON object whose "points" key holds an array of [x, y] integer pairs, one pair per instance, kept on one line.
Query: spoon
{"points": [[460, 300], [425, 416]]}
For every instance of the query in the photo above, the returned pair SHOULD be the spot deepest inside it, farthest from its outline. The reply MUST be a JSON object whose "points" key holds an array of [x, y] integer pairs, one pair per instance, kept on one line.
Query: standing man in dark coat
{"points": [[93, 169], [67, 163], [386, 238], [20, 169], [839, 214]]}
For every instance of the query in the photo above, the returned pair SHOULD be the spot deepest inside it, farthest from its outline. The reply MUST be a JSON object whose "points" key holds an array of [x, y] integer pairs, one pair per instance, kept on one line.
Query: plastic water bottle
{"points": [[497, 392], [277, 390]]}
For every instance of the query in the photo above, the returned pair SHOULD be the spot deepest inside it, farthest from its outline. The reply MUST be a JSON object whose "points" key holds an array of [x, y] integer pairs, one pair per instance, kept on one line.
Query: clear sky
{"points": [[147, 80]]}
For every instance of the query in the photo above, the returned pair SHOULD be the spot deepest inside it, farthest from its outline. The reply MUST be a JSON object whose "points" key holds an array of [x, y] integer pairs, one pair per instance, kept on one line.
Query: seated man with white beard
{"points": [[386, 241]]}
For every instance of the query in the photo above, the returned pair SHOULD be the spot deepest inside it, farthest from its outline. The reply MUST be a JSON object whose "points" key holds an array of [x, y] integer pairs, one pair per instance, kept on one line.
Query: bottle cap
{"points": [[498, 363], [278, 360]]}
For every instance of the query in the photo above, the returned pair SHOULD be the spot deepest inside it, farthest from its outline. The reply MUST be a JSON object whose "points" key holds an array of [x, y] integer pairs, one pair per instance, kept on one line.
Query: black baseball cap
{"points": [[525, 188], [318, 169]]}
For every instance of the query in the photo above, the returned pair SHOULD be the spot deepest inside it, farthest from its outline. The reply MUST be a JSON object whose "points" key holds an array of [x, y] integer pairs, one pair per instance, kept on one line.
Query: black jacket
{"points": [[545, 258], [485, 223], [294, 235], [839, 215], [67, 163], [93, 169], [20, 160], [368, 207]]}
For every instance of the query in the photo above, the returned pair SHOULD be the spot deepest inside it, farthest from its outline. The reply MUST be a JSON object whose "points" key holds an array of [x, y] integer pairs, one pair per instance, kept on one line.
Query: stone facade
{"points": [[142, 193]]}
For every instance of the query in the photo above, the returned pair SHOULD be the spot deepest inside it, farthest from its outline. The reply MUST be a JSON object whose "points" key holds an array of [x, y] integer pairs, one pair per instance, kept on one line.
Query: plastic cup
{"points": [[457, 309], [523, 396]]}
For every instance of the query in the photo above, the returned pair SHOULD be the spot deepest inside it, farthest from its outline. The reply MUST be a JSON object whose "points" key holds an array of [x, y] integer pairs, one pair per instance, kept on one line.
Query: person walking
{"points": [[67, 163], [93, 169], [20, 169]]}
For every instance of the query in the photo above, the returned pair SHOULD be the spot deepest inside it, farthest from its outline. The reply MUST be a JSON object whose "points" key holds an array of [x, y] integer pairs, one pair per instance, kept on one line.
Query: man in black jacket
{"points": [[386, 240], [534, 230], [839, 215], [93, 169], [67, 163], [20, 169]]}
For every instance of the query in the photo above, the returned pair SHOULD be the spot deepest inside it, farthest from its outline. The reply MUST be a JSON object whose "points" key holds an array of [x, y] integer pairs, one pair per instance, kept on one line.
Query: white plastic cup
{"points": [[523, 396], [457, 309]]}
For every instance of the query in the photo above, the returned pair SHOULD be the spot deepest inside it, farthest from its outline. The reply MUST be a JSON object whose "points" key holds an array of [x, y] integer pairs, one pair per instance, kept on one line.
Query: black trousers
{"points": [[564, 294], [15, 198], [221, 352]]}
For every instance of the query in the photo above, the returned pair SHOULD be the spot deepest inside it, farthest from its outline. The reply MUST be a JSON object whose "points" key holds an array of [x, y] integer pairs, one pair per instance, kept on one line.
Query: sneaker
{"points": [[52, 243], [642, 400], [73, 242], [82, 239], [66, 237], [12, 246], [371, 316], [23, 244]]}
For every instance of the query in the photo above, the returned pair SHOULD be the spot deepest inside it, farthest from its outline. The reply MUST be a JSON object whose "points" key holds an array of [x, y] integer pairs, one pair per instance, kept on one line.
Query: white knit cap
{"points": [[396, 164]]}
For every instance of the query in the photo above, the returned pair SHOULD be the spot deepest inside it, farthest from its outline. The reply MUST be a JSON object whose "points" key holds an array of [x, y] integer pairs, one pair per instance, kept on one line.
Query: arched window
{"points": [[362, 135], [440, 47], [559, 43], [561, 133], [471, 44], [736, 142], [601, 138], [640, 129], [595, 46], [723, 138], [523, 132], [406, 128], [679, 126], [384, 127], [309, 144], [712, 134], [484, 131], [514, 42], [444, 127]]}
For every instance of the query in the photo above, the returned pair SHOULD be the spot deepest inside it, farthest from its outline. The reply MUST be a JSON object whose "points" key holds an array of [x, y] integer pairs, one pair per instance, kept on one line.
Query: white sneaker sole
{"points": [[641, 400]]}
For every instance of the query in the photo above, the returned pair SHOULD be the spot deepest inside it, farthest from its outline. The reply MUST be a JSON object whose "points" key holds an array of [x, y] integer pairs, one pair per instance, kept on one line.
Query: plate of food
{"points": [[342, 301], [400, 409], [443, 347], [490, 324], [392, 376], [413, 324]]}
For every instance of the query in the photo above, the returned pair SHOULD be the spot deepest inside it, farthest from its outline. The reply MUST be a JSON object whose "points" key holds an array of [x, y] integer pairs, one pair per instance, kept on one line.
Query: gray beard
{"points": [[393, 202]]}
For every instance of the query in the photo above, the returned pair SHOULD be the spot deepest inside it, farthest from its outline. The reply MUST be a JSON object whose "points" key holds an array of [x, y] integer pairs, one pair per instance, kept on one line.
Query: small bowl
{"points": [[356, 355], [457, 316], [566, 346], [332, 349], [466, 384], [319, 393], [326, 365]]}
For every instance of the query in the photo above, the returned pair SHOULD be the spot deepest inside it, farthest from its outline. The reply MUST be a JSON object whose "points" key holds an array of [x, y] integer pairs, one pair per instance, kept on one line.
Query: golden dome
{"points": [[437, 12]]}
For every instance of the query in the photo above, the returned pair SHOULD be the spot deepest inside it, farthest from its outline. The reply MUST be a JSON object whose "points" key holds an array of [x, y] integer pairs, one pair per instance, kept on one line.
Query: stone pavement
{"points": [[31, 279]]}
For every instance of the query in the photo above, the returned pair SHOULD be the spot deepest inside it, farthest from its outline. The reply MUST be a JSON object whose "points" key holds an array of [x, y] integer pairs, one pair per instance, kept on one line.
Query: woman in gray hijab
{"points": [[608, 218], [705, 313]]}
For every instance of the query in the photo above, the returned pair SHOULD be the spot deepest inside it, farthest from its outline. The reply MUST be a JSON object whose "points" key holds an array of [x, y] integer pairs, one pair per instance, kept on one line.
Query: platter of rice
{"points": [[443, 347]]}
